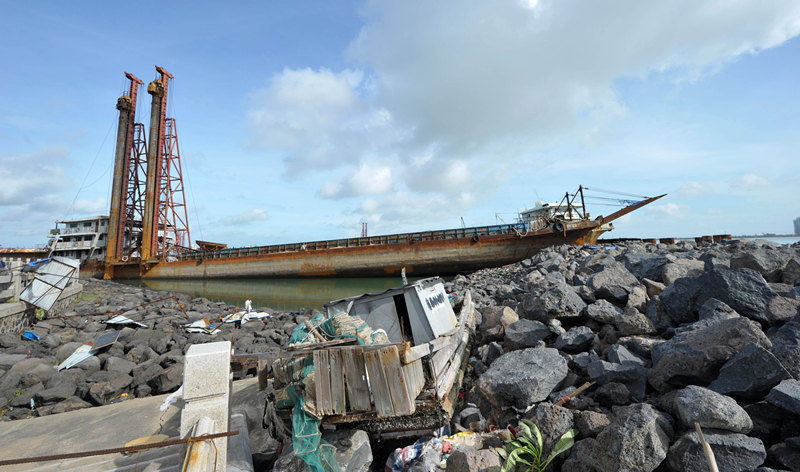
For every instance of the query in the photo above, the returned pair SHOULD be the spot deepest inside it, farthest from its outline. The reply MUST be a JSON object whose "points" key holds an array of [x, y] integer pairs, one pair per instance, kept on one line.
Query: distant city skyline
{"points": [[797, 226], [300, 121]]}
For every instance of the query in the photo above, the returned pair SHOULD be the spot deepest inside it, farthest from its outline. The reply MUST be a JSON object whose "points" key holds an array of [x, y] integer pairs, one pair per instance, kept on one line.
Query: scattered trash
{"points": [[245, 316], [106, 340], [171, 398], [81, 354], [88, 350], [124, 320], [172, 259], [30, 335], [202, 326], [50, 279]]}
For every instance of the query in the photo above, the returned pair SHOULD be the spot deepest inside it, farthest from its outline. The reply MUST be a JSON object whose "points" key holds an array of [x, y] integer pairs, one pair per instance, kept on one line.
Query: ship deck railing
{"points": [[459, 233]]}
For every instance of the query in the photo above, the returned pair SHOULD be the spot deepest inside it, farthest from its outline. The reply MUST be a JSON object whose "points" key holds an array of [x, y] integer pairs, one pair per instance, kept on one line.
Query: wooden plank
{"points": [[337, 382], [356, 380], [322, 378], [442, 358], [398, 384], [417, 352], [262, 373], [446, 380], [378, 383], [413, 374]]}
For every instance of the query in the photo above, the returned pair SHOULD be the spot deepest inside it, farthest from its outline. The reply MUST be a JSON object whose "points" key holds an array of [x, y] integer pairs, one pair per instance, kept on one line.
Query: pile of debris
{"points": [[117, 342]]}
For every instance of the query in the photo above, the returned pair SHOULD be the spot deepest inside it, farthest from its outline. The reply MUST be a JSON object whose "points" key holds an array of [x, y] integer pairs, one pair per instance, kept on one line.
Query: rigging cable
{"points": [[595, 189], [90, 167], [188, 177]]}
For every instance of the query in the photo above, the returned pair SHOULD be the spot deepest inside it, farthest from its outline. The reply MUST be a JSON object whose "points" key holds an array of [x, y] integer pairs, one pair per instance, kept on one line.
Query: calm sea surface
{"points": [[279, 294]]}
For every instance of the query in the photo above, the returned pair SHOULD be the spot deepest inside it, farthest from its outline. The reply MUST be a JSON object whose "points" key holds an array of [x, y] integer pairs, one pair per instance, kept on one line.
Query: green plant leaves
{"points": [[563, 445], [526, 449]]}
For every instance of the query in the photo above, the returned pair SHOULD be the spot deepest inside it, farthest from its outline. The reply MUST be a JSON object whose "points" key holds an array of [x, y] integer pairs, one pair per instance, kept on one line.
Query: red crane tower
{"points": [[127, 198], [166, 222]]}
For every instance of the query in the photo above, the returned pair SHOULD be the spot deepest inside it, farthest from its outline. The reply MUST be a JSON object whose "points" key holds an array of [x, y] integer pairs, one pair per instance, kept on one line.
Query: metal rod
{"points": [[118, 450]]}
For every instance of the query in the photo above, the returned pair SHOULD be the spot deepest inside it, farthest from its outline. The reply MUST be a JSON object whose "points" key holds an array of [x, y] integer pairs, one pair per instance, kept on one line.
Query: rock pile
{"points": [[143, 361], [671, 335]]}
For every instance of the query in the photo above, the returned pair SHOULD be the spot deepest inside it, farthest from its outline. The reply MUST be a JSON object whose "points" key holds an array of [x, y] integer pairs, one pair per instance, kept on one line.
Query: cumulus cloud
{"points": [[669, 210], [245, 217], [99, 206], [368, 179], [692, 188], [750, 183], [437, 90], [25, 176]]}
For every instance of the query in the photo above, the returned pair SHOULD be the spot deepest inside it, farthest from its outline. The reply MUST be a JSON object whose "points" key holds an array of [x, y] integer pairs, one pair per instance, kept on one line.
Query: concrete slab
{"points": [[112, 426]]}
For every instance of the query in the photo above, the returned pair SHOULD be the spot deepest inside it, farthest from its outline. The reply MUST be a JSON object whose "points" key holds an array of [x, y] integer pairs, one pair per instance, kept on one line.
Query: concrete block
{"points": [[207, 385], [207, 370]]}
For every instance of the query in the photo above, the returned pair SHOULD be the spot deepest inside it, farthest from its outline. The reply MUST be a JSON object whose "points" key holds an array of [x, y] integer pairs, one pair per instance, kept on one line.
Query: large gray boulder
{"points": [[580, 457], [521, 378], [633, 376], [575, 340], [614, 282], [680, 269], [711, 410], [525, 333], [791, 273], [781, 309], [750, 374], [767, 260], [647, 266], [482, 460], [553, 421], [620, 354], [495, 321], [786, 395], [636, 441], [744, 290], [786, 346], [552, 298], [603, 311], [631, 322], [733, 452], [695, 357]]}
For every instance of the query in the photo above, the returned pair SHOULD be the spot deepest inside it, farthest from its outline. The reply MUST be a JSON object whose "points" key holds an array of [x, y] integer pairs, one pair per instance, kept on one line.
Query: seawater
{"points": [[278, 294]]}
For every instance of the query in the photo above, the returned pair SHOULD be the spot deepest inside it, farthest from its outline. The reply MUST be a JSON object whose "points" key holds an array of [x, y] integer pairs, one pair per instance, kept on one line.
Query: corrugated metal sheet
{"points": [[81, 354], [51, 279]]}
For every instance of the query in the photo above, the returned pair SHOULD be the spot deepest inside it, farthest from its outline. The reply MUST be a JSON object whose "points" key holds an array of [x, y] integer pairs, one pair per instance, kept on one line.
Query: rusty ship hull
{"points": [[445, 252]]}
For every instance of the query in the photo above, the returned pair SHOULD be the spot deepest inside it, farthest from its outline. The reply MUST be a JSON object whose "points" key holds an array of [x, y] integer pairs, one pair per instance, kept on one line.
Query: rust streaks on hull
{"points": [[419, 257]]}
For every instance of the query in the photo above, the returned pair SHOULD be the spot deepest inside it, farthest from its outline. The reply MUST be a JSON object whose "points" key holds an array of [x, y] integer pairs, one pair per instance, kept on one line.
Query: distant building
{"points": [[797, 226], [82, 239]]}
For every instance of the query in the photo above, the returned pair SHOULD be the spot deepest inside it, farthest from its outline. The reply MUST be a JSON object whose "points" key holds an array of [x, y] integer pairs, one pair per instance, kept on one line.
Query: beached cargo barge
{"points": [[443, 252]]}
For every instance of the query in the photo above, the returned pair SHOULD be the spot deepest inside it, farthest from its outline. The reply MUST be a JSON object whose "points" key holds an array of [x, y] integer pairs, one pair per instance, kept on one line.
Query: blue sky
{"points": [[299, 121]]}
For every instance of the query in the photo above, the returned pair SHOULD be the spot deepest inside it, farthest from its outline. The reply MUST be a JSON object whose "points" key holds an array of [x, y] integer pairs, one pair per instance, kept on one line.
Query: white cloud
{"points": [[693, 188], [245, 218], [448, 95], [750, 183], [25, 176], [98, 206], [669, 210], [368, 179]]}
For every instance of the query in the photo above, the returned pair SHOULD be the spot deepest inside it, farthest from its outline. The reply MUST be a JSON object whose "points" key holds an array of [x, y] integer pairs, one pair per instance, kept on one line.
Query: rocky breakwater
{"points": [[669, 336], [145, 360]]}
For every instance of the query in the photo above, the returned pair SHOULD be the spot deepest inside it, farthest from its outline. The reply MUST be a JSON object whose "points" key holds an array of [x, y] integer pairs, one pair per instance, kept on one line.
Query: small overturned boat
{"points": [[390, 363]]}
